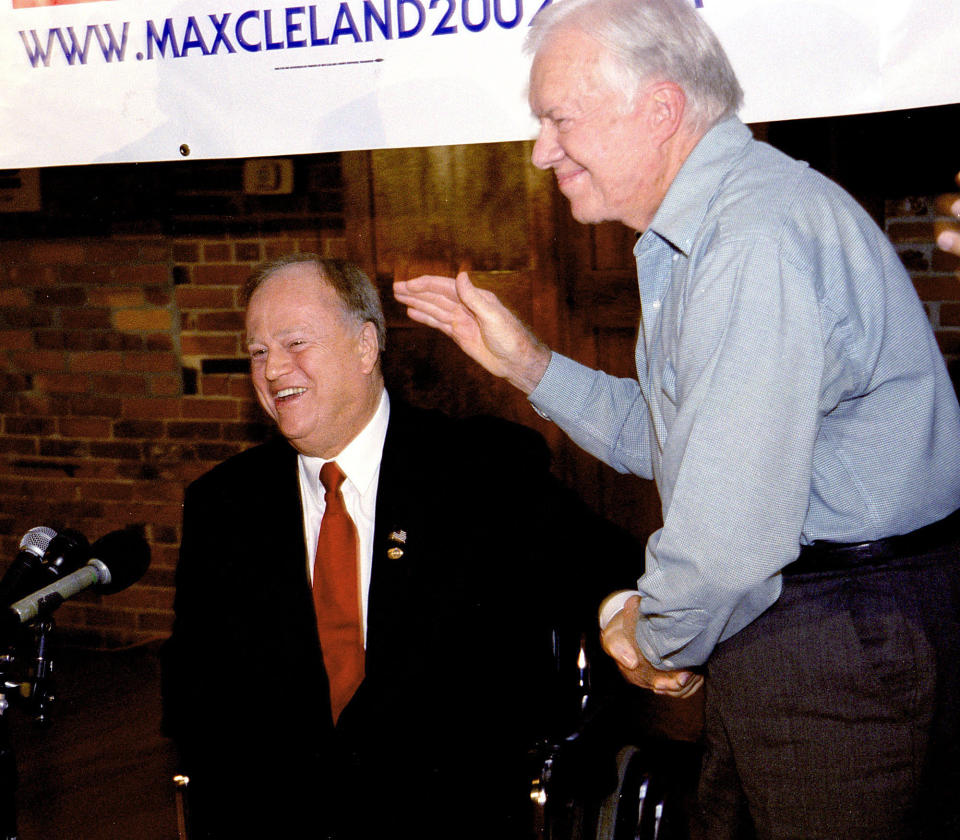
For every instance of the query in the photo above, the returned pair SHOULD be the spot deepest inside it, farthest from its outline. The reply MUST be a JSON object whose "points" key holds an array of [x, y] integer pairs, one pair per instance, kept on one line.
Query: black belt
{"points": [[825, 556]]}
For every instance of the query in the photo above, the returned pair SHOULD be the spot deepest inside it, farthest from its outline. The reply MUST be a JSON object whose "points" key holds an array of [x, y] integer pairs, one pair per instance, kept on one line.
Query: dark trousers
{"points": [[836, 713]]}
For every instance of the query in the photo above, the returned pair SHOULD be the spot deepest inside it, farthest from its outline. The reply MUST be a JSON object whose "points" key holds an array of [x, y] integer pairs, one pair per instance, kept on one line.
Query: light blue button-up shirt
{"points": [[789, 389]]}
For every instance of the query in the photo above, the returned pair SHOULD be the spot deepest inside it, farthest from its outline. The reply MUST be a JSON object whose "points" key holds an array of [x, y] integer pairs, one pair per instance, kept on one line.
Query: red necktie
{"points": [[336, 594]]}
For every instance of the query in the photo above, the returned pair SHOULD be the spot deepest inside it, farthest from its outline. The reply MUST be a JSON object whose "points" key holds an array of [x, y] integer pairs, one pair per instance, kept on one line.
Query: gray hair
{"points": [[357, 294], [645, 40]]}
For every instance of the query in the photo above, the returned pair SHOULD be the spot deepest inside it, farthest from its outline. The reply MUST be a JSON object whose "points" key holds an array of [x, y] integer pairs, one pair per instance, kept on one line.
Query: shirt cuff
{"points": [[613, 603]]}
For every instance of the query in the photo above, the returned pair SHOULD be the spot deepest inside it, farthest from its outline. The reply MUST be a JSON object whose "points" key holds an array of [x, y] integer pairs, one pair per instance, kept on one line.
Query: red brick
{"points": [[249, 252], [142, 320], [950, 314], [112, 252], [14, 297], [144, 275], [116, 298], [95, 406], [149, 429], [85, 318], [58, 253], [193, 431], [118, 384], [88, 275], [148, 408], [63, 383], [18, 446], [942, 261], [16, 339], [106, 490], [186, 252], [209, 345], [157, 342], [29, 426], [220, 275], [95, 361], [156, 252], [40, 360], [241, 387], [149, 362], [33, 275], [278, 248], [214, 386], [217, 252], [165, 386], [932, 287], [85, 427], [197, 408], [205, 297], [910, 231], [220, 322], [949, 341]]}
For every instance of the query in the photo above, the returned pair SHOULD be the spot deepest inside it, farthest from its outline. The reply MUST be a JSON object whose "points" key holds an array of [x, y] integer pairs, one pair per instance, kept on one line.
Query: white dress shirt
{"points": [[360, 463]]}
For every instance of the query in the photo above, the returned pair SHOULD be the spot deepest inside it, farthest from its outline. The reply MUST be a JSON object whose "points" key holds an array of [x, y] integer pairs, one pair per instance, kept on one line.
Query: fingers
{"points": [[618, 640], [949, 241], [678, 684], [948, 235]]}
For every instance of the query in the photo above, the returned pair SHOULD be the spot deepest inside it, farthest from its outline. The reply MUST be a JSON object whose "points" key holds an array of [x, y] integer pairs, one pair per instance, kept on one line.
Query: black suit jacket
{"points": [[461, 667]]}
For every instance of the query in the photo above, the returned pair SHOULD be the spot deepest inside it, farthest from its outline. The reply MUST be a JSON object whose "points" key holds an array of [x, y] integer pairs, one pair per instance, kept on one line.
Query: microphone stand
{"points": [[8, 761], [41, 695]]}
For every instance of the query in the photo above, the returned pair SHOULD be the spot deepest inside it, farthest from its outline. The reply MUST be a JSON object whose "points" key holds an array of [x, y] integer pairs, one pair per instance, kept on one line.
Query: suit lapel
{"points": [[399, 522]]}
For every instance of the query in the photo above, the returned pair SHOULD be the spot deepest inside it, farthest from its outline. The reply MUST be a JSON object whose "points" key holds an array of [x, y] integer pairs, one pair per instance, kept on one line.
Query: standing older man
{"points": [[365, 607], [795, 411]]}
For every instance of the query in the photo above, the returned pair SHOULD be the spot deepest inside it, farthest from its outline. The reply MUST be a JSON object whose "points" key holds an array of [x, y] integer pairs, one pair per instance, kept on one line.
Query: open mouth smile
{"points": [[287, 393]]}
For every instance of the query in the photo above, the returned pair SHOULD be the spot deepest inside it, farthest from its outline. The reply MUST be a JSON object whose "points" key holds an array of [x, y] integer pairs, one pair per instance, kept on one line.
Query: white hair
{"points": [[644, 40]]}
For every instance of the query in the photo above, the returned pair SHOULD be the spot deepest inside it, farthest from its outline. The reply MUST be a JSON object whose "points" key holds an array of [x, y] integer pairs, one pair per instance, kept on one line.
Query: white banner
{"points": [[138, 80]]}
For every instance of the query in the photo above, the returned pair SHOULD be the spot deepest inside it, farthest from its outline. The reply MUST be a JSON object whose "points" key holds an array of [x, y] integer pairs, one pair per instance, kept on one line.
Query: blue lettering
{"points": [[161, 41], [484, 21], [191, 41], [268, 31], [74, 51], [221, 36], [243, 42], [404, 32], [294, 28], [498, 14], [384, 24], [344, 25], [445, 27], [314, 40], [38, 53]]}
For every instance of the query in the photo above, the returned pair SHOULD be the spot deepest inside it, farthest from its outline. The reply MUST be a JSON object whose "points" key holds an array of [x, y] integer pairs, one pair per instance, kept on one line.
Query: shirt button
{"points": [[655, 304]]}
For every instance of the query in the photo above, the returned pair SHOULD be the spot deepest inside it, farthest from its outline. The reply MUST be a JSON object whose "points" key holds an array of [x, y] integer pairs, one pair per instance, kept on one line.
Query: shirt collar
{"points": [[359, 460], [684, 207]]}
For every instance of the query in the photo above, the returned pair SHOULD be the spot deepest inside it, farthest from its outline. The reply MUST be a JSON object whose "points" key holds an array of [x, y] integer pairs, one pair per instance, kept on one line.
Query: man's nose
{"points": [[546, 149], [277, 364]]}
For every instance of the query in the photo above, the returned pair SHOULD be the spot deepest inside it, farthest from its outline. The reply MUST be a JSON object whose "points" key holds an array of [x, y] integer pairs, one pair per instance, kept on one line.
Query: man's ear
{"points": [[369, 346], [667, 105]]}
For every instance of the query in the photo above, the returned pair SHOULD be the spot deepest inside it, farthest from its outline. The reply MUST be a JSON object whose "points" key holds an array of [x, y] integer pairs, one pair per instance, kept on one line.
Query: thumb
{"points": [[466, 291]]}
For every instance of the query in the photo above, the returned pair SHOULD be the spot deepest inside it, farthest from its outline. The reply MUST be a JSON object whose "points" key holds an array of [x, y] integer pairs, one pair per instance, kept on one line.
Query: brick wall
{"points": [[123, 378], [936, 275]]}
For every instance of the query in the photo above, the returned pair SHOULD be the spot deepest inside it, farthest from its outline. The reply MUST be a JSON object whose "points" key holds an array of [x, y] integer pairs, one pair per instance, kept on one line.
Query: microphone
{"points": [[67, 552], [33, 546], [117, 560]]}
